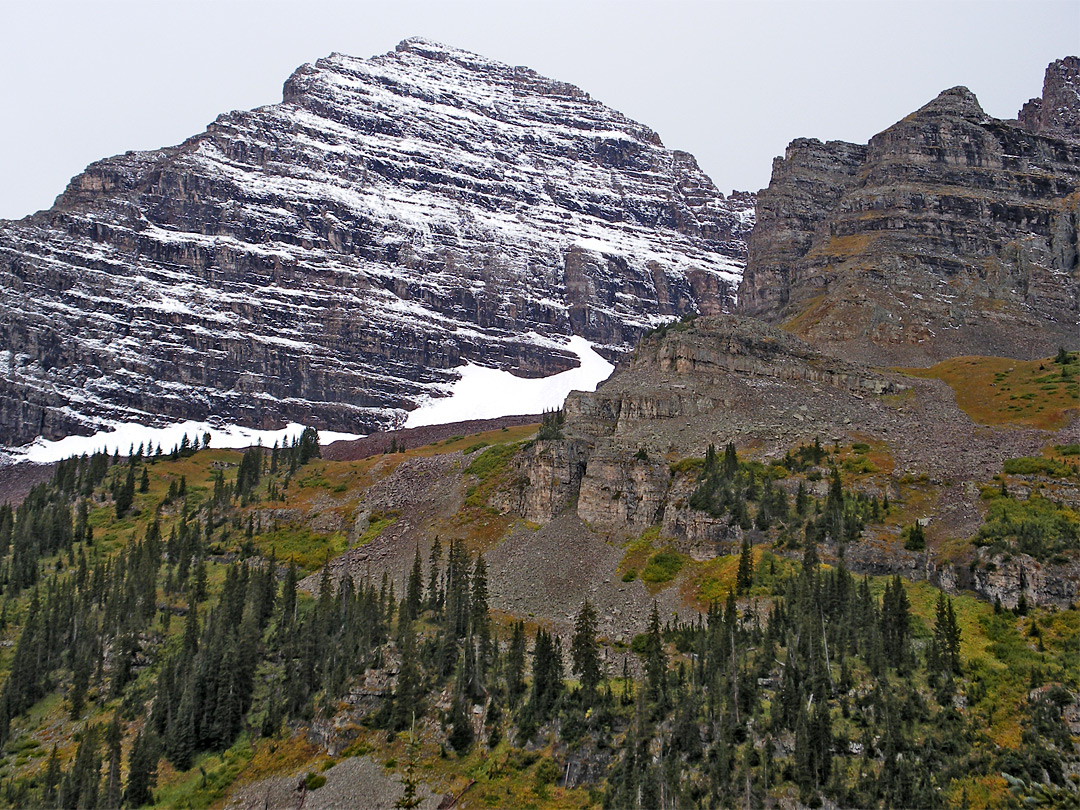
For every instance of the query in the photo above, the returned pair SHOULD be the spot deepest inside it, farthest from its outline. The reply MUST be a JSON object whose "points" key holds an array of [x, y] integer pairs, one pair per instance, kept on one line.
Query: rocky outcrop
{"points": [[688, 385], [806, 186], [1057, 111], [623, 465], [1005, 577], [950, 233], [549, 478], [725, 375], [333, 258]]}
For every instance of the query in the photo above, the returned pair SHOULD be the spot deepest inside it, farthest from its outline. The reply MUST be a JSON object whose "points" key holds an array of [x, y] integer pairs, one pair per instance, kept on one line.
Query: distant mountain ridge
{"points": [[950, 233], [330, 259]]}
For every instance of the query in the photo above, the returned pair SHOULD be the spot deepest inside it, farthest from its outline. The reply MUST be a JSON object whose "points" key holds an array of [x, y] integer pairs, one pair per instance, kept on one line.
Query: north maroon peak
{"points": [[1057, 111], [332, 258], [950, 233]]}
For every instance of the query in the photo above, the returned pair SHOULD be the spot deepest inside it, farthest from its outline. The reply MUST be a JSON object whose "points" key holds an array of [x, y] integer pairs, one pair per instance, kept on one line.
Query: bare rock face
{"points": [[807, 183], [550, 479], [1057, 111], [949, 233], [711, 380], [332, 258], [1004, 578]]}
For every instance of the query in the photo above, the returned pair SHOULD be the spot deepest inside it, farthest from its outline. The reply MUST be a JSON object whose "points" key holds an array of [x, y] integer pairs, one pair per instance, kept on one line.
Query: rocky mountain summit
{"points": [[1057, 111], [332, 258], [950, 233]]}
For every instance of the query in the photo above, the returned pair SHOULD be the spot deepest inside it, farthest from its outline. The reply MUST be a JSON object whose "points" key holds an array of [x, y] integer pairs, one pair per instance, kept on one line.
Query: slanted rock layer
{"points": [[950, 233], [330, 259]]}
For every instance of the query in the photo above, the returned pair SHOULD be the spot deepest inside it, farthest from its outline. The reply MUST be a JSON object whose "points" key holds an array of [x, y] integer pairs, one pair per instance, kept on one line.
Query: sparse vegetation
{"points": [[893, 647], [1002, 391]]}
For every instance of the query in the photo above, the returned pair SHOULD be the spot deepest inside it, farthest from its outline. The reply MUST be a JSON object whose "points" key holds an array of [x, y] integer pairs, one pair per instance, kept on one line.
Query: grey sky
{"points": [[731, 82]]}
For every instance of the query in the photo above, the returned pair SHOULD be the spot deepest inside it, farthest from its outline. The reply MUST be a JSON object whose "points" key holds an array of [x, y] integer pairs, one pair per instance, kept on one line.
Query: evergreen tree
{"points": [[114, 735], [744, 578], [51, 780], [585, 651], [944, 657], [410, 798], [895, 623], [480, 623], [434, 596], [461, 734], [515, 663], [125, 494], [655, 657], [142, 769], [414, 589], [409, 690]]}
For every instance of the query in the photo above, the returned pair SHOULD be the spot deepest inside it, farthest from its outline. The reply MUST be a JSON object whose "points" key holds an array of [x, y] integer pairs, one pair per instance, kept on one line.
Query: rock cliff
{"points": [[950, 233], [332, 258], [1057, 111], [711, 380]]}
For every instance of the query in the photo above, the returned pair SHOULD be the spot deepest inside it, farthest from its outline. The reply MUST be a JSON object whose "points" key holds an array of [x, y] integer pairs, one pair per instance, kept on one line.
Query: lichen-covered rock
{"points": [[332, 258]]}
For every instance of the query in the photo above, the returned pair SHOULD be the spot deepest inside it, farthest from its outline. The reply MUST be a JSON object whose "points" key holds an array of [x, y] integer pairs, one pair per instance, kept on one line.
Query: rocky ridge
{"points": [[1057, 110], [950, 233], [332, 258], [715, 380]]}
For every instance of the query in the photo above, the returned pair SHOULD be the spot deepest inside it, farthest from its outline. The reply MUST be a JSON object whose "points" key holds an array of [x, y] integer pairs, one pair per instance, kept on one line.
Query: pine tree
{"points": [[895, 623], [410, 798], [434, 597], [142, 769], [916, 538], [51, 779], [461, 735], [944, 656], [585, 651], [125, 494], [655, 657], [744, 578], [409, 690], [515, 663], [480, 620], [113, 738], [414, 589]]}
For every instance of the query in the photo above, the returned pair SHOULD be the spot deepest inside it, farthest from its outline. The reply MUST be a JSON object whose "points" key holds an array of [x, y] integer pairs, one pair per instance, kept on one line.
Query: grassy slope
{"points": [[1002, 391]]}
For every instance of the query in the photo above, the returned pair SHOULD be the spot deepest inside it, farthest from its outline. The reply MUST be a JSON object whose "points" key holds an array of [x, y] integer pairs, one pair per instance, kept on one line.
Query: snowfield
{"points": [[488, 393], [123, 436]]}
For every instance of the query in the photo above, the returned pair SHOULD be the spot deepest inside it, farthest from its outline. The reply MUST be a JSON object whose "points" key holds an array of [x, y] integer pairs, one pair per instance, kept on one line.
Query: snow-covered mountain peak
{"points": [[334, 258]]}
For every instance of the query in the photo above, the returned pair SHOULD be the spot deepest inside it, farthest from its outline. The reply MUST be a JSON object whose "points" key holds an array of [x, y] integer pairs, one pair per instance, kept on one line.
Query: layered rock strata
{"points": [[332, 258], [950, 233]]}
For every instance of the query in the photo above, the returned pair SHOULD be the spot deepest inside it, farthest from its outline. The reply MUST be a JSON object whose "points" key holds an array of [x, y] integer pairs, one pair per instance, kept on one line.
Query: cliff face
{"points": [[332, 258], [1057, 111], [710, 381], [949, 233]]}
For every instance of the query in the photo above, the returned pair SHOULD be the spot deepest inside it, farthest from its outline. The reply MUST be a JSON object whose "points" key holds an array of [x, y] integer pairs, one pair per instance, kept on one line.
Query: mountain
{"points": [[748, 570], [951, 237], [333, 258], [950, 233]]}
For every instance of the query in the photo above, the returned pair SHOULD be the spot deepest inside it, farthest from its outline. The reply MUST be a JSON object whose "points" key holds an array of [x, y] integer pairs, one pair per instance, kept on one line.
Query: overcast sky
{"points": [[731, 82]]}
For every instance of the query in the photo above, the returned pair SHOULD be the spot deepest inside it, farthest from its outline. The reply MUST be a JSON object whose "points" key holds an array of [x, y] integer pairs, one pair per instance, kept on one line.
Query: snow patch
{"points": [[488, 393], [121, 436]]}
